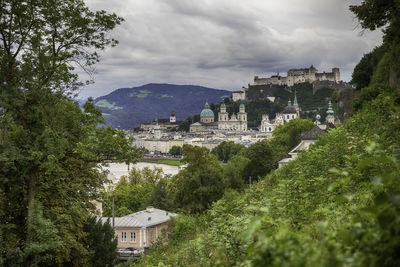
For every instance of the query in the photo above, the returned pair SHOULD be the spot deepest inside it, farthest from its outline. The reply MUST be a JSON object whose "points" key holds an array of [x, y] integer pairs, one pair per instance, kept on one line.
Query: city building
{"points": [[163, 124], [141, 229], [234, 122], [290, 112]]}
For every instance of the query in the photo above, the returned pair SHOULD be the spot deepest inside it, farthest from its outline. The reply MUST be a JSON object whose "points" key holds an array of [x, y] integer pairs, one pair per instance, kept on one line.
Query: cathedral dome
{"points": [[289, 110], [207, 112]]}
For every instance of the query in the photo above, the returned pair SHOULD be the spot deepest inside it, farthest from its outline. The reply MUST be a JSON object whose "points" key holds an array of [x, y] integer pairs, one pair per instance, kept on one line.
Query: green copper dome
{"points": [[330, 110], [241, 106], [223, 105], [207, 112]]}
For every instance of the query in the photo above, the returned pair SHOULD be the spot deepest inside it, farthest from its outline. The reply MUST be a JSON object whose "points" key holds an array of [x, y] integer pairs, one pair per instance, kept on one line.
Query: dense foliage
{"points": [[102, 241], [50, 148], [336, 204], [175, 151]]}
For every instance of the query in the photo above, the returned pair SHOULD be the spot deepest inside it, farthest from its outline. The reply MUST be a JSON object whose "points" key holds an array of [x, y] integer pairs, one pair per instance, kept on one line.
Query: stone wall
{"points": [[332, 85], [262, 91]]}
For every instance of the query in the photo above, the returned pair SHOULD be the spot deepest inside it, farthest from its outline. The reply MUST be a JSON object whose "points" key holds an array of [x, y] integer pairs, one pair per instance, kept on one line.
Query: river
{"points": [[119, 169]]}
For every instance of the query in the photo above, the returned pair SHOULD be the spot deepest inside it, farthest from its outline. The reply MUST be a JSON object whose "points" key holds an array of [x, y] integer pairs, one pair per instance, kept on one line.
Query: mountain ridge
{"points": [[127, 108]]}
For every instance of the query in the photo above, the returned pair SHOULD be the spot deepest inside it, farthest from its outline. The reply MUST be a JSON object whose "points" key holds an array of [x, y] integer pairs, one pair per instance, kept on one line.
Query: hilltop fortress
{"points": [[295, 76], [265, 87]]}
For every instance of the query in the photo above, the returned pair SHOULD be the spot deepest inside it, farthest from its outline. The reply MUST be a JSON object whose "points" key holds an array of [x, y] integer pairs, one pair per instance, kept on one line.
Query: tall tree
{"points": [[102, 241], [201, 183], [49, 147]]}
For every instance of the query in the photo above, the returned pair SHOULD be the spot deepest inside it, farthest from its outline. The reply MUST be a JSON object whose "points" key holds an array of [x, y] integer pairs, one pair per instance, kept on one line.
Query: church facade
{"points": [[290, 112], [235, 122]]}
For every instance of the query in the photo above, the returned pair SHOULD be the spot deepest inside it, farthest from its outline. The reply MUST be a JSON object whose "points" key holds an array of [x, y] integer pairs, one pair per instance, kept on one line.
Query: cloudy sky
{"points": [[225, 43]]}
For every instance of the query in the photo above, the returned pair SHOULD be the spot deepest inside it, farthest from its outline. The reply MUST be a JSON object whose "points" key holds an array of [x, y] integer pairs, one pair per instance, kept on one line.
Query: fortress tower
{"points": [[336, 74]]}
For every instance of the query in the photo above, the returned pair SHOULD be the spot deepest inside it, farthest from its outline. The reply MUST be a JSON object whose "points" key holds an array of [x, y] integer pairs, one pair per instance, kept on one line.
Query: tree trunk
{"points": [[31, 206]]}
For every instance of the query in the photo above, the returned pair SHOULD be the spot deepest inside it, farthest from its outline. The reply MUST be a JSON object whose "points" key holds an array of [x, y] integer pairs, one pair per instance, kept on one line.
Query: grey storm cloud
{"points": [[225, 43]]}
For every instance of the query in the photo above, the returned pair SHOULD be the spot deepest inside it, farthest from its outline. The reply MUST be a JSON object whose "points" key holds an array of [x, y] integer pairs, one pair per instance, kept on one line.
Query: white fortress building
{"points": [[295, 76]]}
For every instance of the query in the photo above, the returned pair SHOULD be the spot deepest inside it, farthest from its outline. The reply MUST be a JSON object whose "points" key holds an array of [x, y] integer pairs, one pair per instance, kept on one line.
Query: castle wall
{"points": [[332, 85], [295, 76], [261, 91]]}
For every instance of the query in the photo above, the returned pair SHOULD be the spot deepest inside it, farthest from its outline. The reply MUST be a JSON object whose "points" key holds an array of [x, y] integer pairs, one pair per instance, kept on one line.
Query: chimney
{"points": [[149, 209]]}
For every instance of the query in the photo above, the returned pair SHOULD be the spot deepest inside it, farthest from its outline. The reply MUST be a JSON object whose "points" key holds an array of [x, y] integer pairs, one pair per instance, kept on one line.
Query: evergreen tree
{"points": [[102, 241]]}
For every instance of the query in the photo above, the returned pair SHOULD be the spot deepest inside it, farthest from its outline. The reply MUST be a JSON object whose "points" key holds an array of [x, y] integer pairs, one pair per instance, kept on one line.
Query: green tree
{"points": [[364, 70], [201, 183], [235, 176], [175, 151], [161, 198], [133, 193], [374, 14], [227, 149], [262, 160], [185, 125], [49, 147], [102, 241], [286, 137]]}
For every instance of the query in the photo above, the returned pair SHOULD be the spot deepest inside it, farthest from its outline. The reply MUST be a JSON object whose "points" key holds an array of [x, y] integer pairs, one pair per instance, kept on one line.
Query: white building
{"points": [[235, 122], [290, 112], [239, 95]]}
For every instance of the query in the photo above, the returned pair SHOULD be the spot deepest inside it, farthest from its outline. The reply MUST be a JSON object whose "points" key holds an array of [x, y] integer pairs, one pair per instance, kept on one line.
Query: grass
{"points": [[105, 104], [140, 94], [170, 162]]}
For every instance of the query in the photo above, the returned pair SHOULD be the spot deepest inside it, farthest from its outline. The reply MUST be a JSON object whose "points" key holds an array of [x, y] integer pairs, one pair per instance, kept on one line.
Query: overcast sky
{"points": [[225, 43]]}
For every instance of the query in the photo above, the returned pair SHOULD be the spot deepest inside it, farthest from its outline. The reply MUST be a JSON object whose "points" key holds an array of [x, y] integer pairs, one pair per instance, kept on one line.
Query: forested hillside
{"points": [[336, 204]]}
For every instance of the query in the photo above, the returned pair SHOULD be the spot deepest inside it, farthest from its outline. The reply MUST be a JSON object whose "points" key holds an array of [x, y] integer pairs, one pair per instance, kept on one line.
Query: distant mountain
{"points": [[129, 107]]}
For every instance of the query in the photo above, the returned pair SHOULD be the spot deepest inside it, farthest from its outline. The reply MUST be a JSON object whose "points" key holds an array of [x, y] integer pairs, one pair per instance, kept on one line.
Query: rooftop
{"points": [[145, 218]]}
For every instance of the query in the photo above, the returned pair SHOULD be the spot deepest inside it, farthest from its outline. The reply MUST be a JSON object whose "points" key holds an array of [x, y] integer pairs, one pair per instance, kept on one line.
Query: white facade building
{"points": [[237, 122], [290, 112]]}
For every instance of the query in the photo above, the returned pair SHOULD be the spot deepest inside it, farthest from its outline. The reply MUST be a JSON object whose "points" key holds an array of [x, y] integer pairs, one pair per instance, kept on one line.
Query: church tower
{"points": [[330, 118], [172, 117], [296, 104], [157, 130], [223, 115], [242, 117]]}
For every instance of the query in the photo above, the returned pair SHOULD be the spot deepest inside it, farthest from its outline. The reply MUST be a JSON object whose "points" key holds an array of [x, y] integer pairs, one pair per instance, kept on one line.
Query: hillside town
{"points": [[160, 135], [163, 163]]}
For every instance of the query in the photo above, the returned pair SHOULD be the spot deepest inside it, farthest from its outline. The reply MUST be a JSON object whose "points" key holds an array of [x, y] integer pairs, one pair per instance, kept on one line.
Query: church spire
{"points": [[295, 99]]}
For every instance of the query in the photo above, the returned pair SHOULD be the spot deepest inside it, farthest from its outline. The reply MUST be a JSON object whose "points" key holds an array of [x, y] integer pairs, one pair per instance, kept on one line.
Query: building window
{"points": [[292, 116], [123, 236], [133, 237], [151, 235]]}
